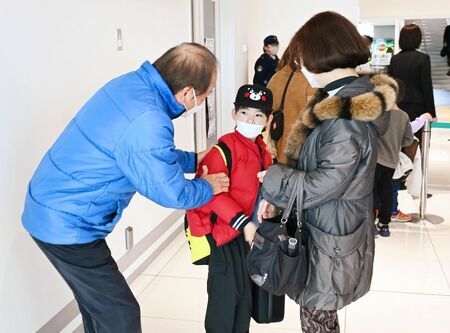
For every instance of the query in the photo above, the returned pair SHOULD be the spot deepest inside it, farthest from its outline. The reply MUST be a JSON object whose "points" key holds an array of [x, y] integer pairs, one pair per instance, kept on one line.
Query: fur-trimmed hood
{"points": [[379, 94]]}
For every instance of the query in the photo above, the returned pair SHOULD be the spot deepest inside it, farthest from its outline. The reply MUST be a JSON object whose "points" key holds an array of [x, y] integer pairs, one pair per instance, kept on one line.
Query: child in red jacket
{"points": [[228, 219]]}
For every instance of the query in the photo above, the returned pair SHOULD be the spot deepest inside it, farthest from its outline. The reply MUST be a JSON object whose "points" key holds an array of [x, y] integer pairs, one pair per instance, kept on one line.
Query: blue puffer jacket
{"points": [[120, 142]]}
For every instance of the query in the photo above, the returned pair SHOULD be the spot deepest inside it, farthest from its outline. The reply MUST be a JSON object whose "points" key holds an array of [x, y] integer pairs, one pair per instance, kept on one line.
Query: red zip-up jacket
{"points": [[226, 215]]}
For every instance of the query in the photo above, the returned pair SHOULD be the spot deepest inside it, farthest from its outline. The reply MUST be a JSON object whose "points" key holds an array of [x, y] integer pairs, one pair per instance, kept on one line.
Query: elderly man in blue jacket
{"points": [[120, 142]]}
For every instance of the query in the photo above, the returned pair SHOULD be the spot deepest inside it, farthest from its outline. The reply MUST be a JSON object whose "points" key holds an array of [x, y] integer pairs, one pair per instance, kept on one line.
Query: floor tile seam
{"points": [[254, 324], [409, 293], [394, 225], [439, 259], [170, 259], [146, 286], [170, 318], [408, 259], [153, 275], [182, 277], [148, 274], [277, 329], [436, 233]]}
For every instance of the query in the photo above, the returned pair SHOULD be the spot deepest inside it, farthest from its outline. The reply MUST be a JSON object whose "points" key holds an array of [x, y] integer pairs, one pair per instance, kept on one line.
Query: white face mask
{"points": [[310, 77], [195, 109], [274, 50], [250, 131]]}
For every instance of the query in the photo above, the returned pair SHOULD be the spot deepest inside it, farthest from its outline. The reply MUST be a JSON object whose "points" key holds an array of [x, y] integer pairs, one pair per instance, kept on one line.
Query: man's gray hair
{"points": [[188, 64]]}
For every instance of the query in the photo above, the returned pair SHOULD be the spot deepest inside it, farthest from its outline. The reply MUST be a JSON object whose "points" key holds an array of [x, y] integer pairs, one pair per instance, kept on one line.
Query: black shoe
{"points": [[383, 230]]}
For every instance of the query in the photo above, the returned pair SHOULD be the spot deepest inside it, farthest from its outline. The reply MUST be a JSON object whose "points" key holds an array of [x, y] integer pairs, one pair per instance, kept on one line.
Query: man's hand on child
{"points": [[249, 232], [201, 155], [219, 181], [261, 175]]}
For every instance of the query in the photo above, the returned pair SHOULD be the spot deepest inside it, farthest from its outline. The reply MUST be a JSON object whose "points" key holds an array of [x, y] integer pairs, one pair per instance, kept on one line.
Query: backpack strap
{"points": [[281, 108], [277, 125], [226, 155]]}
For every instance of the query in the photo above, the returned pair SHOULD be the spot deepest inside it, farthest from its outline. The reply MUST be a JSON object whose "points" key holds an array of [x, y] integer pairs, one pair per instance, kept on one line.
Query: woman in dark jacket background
{"points": [[334, 144], [446, 43], [413, 68]]}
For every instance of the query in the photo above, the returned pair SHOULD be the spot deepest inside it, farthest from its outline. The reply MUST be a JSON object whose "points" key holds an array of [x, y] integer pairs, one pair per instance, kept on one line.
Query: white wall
{"points": [[53, 57], [283, 18], [412, 9], [233, 23]]}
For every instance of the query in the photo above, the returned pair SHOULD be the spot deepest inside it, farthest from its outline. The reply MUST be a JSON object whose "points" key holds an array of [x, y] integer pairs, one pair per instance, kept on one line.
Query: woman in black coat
{"points": [[414, 69], [447, 45]]}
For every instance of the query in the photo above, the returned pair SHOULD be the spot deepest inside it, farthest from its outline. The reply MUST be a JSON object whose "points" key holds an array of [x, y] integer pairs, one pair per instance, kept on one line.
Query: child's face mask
{"points": [[250, 131], [250, 122]]}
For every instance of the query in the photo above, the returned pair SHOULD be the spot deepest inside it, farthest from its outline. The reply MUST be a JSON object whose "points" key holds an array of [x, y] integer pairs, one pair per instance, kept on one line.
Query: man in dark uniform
{"points": [[266, 64]]}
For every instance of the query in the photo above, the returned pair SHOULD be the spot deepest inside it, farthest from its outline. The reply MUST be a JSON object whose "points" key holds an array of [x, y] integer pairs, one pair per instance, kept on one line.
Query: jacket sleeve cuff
{"points": [[240, 221]]}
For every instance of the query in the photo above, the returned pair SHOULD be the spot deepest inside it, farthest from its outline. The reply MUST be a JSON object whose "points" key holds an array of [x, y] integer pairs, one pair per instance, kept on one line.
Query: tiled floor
{"points": [[410, 289]]}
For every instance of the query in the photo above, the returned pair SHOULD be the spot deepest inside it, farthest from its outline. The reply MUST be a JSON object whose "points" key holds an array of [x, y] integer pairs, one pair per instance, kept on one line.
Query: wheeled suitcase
{"points": [[267, 308]]}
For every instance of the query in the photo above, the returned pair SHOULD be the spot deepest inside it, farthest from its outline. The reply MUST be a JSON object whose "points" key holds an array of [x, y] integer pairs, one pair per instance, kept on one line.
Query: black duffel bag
{"points": [[278, 262]]}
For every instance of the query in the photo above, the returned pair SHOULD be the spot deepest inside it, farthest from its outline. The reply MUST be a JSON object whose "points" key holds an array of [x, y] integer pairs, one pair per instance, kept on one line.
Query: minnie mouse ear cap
{"points": [[254, 96]]}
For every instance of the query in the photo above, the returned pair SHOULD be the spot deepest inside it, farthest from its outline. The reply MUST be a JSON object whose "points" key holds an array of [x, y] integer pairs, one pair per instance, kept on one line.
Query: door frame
{"points": [[198, 36]]}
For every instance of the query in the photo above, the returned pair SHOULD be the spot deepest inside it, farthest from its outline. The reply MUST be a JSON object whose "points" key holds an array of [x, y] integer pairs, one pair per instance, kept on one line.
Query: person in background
{"points": [[397, 215], [267, 63], [398, 135], [298, 92], [413, 68], [229, 221], [119, 143], [446, 44]]}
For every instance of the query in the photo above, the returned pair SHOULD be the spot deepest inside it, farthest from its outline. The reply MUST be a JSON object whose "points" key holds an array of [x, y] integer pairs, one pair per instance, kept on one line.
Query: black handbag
{"points": [[444, 51], [267, 307], [277, 124], [277, 262]]}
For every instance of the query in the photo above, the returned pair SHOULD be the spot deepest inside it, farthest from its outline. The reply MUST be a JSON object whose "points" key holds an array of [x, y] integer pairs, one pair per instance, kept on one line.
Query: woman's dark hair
{"points": [[328, 41], [369, 39], [188, 64], [290, 55], [410, 37]]}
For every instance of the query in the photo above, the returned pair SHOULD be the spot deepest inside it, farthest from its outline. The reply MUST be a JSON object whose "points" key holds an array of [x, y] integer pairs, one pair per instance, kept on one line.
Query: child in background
{"points": [[227, 219], [397, 214], [398, 135]]}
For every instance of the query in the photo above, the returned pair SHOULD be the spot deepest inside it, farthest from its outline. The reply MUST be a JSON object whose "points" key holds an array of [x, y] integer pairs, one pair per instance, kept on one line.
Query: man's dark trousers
{"points": [[105, 300]]}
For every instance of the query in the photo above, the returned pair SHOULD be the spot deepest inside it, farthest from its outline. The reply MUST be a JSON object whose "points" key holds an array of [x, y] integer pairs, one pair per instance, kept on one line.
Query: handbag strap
{"points": [[300, 198], [281, 108], [296, 195]]}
